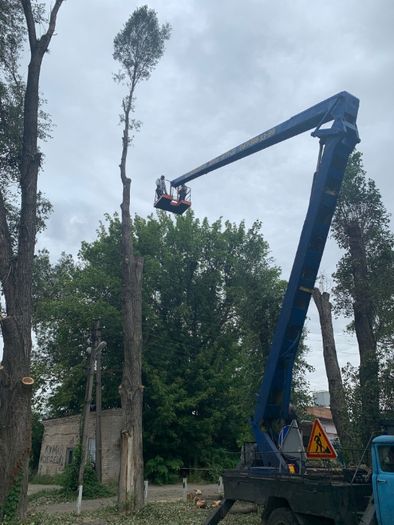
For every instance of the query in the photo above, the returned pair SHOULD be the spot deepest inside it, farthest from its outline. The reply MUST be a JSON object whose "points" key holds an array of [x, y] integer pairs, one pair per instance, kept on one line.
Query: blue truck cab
{"points": [[383, 478]]}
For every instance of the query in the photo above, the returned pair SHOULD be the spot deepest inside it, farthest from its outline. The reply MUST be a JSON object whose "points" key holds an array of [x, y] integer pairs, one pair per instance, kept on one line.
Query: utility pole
{"points": [[94, 350], [99, 445]]}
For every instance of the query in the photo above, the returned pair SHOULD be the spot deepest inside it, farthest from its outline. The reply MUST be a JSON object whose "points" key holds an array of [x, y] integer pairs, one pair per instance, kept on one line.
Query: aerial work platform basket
{"points": [[177, 201]]}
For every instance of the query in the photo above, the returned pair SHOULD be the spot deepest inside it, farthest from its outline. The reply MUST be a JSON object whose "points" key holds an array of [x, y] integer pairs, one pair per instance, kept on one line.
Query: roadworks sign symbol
{"points": [[319, 446]]}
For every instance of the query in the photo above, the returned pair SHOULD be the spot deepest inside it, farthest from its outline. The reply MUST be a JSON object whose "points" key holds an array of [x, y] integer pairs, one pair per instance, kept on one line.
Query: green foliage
{"points": [[301, 396], [12, 92], [352, 390], [12, 88], [49, 495], [138, 48], [91, 486], [160, 471], [140, 44], [179, 513], [9, 511], [387, 385], [210, 302], [36, 439], [360, 203], [216, 460], [45, 479], [12, 35]]}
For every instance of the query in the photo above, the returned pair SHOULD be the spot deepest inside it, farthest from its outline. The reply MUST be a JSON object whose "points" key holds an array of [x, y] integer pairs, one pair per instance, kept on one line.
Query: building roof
{"points": [[320, 412]]}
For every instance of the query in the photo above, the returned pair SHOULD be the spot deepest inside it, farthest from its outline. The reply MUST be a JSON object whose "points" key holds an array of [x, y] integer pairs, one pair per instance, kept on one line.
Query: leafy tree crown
{"points": [[140, 44]]}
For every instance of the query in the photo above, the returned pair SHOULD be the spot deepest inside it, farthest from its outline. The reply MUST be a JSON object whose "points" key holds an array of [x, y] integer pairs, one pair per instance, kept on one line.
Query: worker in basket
{"points": [[161, 186], [182, 192]]}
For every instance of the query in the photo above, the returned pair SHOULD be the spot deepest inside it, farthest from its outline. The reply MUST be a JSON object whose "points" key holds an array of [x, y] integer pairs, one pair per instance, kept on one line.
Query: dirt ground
{"points": [[167, 493]]}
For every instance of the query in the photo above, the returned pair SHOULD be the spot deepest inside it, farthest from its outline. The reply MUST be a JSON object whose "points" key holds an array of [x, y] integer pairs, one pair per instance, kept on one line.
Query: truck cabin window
{"points": [[386, 458]]}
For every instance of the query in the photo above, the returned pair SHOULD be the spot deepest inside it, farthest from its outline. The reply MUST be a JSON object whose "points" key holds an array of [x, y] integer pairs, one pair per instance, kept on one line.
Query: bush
{"points": [[46, 479], [10, 508], [161, 471], [218, 460], [92, 488]]}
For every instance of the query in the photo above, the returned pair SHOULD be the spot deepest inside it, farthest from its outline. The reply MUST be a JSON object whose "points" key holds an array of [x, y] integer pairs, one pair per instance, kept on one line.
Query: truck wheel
{"points": [[282, 516]]}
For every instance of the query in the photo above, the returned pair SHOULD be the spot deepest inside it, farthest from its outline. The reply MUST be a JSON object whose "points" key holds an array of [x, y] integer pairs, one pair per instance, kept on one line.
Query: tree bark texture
{"points": [[363, 324], [338, 405], [85, 415], [99, 441], [131, 477], [16, 281]]}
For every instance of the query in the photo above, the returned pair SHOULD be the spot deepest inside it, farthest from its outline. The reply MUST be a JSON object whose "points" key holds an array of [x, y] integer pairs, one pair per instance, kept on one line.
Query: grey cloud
{"points": [[231, 70]]}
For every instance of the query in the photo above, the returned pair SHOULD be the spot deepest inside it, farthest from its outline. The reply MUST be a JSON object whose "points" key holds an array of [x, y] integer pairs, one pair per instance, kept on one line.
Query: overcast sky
{"points": [[231, 70]]}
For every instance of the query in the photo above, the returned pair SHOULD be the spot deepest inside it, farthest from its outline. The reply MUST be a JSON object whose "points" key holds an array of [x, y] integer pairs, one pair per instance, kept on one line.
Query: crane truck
{"points": [[289, 493]]}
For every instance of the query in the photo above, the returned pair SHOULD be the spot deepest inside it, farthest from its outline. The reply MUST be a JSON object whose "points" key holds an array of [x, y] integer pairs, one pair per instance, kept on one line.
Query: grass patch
{"points": [[47, 497], [44, 497], [45, 480], [179, 513]]}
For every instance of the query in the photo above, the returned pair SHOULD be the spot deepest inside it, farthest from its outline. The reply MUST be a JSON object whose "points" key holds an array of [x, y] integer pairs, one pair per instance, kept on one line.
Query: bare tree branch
{"points": [[31, 157], [45, 39], [5, 245], [31, 27]]}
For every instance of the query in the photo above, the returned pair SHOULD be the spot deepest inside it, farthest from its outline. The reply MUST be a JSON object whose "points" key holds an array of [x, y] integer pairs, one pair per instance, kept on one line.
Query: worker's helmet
{"points": [[162, 177]]}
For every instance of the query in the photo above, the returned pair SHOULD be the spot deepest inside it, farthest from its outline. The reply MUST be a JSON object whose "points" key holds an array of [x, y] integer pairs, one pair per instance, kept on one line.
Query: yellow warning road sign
{"points": [[319, 446]]}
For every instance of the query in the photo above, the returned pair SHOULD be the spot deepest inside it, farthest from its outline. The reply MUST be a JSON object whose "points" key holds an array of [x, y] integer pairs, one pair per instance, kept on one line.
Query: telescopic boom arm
{"points": [[336, 145], [342, 106]]}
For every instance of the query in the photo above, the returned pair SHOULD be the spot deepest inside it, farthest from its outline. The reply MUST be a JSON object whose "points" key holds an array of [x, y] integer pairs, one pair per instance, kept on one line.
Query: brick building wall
{"points": [[61, 436]]}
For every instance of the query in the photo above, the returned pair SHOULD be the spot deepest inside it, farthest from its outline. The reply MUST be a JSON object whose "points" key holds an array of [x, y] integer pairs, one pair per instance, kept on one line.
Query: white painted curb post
{"points": [[220, 486], [184, 486], [79, 499], [146, 483]]}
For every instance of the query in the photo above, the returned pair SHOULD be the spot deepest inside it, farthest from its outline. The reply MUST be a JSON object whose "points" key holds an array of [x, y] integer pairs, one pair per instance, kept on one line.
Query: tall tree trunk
{"points": [[99, 441], [16, 280], [15, 415], [84, 424], [363, 324], [338, 405], [131, 476]]}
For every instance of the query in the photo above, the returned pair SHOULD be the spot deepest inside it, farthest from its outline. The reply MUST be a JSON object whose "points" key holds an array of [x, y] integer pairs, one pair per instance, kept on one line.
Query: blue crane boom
{"points": [[340, 106], [336, 145]]}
